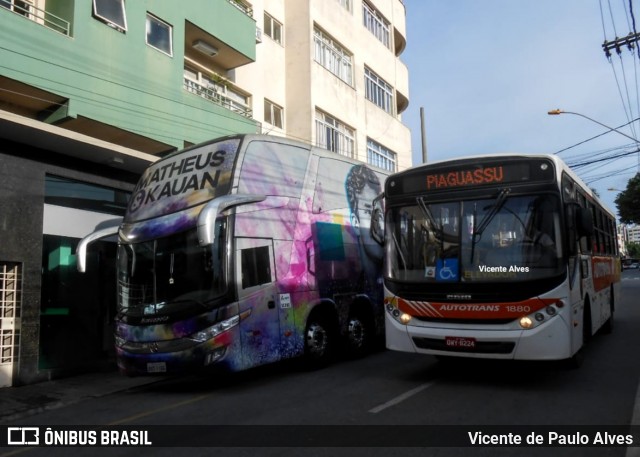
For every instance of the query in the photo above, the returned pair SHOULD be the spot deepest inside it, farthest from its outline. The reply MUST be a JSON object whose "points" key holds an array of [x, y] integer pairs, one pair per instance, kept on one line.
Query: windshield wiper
{"points": [[488, 217], [437, 228]]}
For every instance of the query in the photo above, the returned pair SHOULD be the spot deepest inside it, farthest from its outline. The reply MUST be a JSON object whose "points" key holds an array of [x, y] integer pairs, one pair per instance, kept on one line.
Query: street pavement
{"points": [[23, 401]]}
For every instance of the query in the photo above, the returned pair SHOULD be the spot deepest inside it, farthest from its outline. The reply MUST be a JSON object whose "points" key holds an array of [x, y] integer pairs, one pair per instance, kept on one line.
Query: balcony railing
{"points": [[38, 15], [216, 97], [246, 9]]}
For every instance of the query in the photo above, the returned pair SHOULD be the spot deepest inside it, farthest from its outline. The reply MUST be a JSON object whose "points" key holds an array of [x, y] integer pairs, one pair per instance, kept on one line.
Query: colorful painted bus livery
{"points": [[504, 256], [243, 251]]}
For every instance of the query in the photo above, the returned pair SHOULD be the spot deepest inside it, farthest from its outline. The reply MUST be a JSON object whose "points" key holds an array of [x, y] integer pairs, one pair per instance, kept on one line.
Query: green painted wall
{"points": [[115, 78]]}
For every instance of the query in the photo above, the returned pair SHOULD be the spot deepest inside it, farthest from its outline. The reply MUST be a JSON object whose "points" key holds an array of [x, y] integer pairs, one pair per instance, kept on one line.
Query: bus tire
{"points": [[607, 327], [359, 333], [319, 341], [577, 359]]}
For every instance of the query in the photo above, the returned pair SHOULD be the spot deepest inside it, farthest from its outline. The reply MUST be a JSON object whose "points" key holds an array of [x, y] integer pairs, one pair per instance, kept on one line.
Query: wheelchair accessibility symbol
{"points": [[447, 270]]}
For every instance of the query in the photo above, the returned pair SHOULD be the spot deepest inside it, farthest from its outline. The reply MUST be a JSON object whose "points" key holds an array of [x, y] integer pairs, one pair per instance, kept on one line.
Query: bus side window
{"points": [[256, 267]]}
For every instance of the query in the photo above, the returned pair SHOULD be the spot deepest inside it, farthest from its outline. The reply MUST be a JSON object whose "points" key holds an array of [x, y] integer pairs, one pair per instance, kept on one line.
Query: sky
{"points": [[486, 72]]}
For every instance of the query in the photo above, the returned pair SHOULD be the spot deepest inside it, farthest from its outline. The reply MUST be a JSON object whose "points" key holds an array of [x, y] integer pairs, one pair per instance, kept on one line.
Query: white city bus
{"points": [[503, 256], [246, 250]]}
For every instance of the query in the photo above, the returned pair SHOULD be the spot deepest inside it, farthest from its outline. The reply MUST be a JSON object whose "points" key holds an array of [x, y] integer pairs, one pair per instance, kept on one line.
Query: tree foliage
{"points": [[634, 250], [628, 202]]}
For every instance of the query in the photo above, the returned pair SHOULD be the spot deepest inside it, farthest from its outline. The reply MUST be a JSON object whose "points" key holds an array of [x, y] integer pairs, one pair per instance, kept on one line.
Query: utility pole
{"points": [[629, 41], [423, 136]]}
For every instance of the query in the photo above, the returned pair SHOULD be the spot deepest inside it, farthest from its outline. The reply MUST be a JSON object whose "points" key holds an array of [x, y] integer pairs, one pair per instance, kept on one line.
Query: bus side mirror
{"points": [[584, 221], [81, 249], [377, 219]]}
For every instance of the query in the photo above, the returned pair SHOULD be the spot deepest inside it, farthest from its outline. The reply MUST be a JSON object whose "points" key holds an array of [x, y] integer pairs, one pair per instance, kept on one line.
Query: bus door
{"points": [[257, 292]]}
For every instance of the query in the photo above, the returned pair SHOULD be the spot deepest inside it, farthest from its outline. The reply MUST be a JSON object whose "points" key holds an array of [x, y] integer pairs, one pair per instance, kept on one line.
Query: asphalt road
{"points": [[387, 398]]}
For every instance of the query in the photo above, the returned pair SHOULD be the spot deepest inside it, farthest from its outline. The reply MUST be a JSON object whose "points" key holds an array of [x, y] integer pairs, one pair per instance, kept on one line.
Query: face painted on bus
{"points": [[363, 186]]}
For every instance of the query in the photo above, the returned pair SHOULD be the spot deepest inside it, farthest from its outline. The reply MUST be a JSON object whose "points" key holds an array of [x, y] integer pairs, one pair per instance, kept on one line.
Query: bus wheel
{"points": [[577, 359], [318, 341], [359, 335]]}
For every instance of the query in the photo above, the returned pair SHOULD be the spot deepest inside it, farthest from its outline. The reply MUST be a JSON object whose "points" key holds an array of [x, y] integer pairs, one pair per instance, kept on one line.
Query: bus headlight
{"points": [[398, 315], [215, 330], [526, 322], [405, 318], [539, 317]]}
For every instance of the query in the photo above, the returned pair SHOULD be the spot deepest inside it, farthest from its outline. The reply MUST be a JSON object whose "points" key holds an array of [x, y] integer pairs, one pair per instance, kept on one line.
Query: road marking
{"points": [[401, 398], [154, 411]]}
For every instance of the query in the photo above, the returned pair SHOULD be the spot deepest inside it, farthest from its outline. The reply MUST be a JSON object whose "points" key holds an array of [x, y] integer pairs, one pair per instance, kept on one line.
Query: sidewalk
{"points": [[23, 401]]}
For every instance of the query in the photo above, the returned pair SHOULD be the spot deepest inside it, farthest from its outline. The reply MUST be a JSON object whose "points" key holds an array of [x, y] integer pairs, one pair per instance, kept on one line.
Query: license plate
{"points": [[156, 367], [459, 342]]}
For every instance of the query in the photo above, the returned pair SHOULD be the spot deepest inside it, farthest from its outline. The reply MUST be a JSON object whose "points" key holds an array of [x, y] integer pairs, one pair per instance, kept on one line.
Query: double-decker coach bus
{"points": [[503, 256], [242, 251]]}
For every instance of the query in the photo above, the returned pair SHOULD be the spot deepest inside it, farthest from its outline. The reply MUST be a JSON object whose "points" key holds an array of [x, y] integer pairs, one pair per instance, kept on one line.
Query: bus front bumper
{"points": [[548, 341], [178, 356]]}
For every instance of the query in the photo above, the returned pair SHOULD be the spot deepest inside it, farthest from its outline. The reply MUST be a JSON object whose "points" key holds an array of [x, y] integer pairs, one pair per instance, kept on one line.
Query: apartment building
{"points": [[91, 92], [329, 72], [633, 233]]}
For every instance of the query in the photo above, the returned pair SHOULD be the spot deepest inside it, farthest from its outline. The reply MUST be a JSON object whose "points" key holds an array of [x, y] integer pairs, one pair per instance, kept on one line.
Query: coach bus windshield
{"points": [[171, 274], [490, 240]]}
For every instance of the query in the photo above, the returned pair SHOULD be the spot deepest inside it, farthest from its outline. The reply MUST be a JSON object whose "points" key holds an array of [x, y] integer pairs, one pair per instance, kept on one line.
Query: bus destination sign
{"points": [[467, 174], [478, 176]]}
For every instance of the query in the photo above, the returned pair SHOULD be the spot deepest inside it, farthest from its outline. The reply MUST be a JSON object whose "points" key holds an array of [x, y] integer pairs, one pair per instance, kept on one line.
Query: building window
{"points": [[272, 28], [332, 56], [381, 157], [376, 24], [80, 195], [335, 136], [159, 35], [17, 6], [378, 91], [346, 4], [111, 12], [273, 114]]}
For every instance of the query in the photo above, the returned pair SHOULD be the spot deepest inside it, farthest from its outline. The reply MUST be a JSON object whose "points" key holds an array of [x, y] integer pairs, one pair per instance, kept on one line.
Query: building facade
{"points": [[633, 233], [329, 73], [91, 92]]}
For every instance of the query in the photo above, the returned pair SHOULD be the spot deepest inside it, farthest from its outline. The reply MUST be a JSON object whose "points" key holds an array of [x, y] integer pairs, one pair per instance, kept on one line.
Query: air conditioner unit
{"points": [[205, 48]]}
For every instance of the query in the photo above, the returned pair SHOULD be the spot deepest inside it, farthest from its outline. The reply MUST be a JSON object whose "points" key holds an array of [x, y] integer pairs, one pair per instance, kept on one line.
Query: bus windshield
{"points": [[488, 240], [170, 274]]}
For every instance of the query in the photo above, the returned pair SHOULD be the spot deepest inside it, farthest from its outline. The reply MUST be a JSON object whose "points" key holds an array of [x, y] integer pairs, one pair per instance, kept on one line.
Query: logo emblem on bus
{"points": [[459, 297]]}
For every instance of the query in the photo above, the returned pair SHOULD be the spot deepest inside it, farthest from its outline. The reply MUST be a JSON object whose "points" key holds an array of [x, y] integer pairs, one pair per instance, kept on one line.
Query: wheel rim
{"points": [[356, 333], [317, 340]]}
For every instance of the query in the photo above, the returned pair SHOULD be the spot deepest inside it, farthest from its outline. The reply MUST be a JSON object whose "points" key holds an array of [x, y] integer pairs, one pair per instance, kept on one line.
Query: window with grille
{"points": [[10, 303], [376, 24], [335, 136], [332, 56], [381, 157], [378, 91]]}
